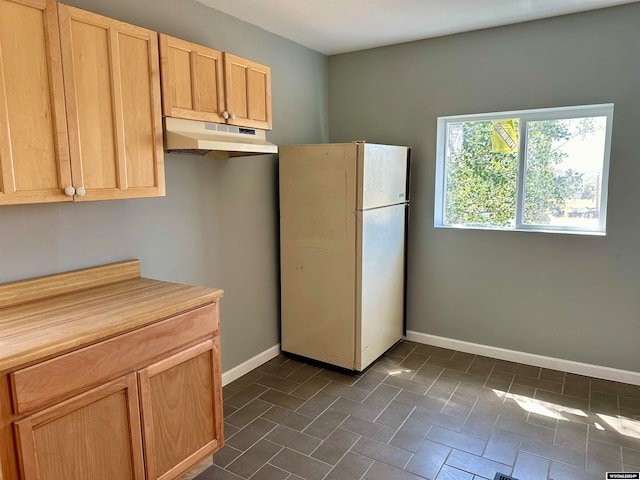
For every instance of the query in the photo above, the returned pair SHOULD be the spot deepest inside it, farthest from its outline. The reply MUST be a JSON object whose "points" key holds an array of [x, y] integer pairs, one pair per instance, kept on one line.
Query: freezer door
{"points": [[380, 289], [382, 175]]}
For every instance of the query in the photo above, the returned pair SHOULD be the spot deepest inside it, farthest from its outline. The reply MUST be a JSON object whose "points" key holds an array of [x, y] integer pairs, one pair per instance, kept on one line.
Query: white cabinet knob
{"points": [[233, 116], [80, 191], [225, 115], [69, 191]]}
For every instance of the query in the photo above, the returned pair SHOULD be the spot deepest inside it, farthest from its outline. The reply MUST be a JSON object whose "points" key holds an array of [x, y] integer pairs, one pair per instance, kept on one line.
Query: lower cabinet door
{"points": [[181, 406], [95, 435]]}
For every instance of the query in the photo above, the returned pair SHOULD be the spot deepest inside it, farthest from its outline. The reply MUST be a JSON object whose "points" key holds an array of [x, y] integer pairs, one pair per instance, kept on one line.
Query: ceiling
{"points": [[339, 26]]}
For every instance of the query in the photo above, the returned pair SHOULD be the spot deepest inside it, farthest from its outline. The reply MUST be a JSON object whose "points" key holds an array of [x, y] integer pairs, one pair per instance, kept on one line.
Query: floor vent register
{"points": [[502, 476]]}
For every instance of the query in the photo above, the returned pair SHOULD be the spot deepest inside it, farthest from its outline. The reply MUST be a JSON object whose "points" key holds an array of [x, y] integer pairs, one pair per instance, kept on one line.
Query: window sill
{"points": [[593, 233]]}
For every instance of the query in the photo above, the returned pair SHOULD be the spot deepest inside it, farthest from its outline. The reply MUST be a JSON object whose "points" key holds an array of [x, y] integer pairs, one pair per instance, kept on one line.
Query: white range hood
{"points": [[213, 139]]}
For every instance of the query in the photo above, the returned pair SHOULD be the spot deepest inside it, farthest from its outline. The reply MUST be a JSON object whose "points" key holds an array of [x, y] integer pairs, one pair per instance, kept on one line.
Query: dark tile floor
{"points": [[426, 412]]}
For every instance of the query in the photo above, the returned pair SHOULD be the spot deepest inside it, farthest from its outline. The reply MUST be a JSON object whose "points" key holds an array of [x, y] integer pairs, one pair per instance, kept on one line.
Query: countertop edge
{"points": [[191, 297]]}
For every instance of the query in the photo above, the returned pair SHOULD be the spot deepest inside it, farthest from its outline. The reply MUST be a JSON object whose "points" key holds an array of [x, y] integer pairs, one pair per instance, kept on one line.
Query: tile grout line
{"points": [[332, 431], [495, 425], [386, 406], [311, 398], [271, 465], [253, 444], [620, 420], [367, 471], [398, 429], [300, 368], [433, 381], [421, 366], [445, 463], [265, 463], [471, 409], [345, 453], [374, 389]]}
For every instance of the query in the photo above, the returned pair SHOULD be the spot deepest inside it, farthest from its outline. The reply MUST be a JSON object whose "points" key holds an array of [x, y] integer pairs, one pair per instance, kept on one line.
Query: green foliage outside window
{"points": [[481, 181]]}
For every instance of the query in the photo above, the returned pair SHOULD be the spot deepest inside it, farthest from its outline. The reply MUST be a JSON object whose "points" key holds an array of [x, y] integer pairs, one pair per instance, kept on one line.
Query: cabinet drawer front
{"points": [[68, 374]]}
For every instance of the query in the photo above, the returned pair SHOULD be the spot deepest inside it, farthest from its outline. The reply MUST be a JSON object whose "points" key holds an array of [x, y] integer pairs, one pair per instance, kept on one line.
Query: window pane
{"points": [[564, 162], [481, 164]]}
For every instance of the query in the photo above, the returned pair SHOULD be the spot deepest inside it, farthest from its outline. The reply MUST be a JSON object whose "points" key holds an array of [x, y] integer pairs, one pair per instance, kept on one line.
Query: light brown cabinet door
{"points": [[248, 92], [112, 91], [192, 80], [95, 435], [34, 151], [181, 405]]}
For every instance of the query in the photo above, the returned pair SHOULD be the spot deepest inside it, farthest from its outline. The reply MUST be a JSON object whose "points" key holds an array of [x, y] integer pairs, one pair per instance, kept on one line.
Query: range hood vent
{"points": [[213, 139]]}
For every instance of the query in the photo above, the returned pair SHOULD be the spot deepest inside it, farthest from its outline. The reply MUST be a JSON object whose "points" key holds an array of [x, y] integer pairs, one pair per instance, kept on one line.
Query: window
{"points": [[534, 170]]}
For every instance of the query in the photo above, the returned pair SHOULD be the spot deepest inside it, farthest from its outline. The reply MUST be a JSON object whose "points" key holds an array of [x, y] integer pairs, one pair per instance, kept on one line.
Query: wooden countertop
{"points": [[65, 312]]}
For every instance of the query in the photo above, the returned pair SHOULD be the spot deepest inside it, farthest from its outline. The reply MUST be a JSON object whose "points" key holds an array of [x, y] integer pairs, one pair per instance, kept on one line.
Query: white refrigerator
{"points": [[344, 211]]}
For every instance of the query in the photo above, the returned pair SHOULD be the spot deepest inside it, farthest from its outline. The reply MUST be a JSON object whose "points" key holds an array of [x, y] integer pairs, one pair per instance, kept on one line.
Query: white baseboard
{"points": [[245, 367], [586, 369]]}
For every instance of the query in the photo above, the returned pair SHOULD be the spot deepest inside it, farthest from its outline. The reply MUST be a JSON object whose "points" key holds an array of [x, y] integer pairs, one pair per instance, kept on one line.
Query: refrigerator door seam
{"points": [[381, 206]]}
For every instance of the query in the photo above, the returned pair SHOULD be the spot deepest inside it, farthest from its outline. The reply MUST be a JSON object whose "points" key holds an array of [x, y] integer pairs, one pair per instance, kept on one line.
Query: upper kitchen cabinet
{"points": [[248, 90], [200, 83], [112, 92], [34, 151], [192, 80]]}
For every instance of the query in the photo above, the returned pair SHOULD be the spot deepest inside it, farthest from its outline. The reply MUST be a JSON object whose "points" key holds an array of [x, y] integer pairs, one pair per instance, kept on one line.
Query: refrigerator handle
{"points": [[408, 187], [406, 241], [407, 217]]}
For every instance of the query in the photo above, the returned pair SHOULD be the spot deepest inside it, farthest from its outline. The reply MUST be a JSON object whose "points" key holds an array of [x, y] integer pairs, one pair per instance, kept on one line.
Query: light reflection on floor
{"points": [[619, 423]]}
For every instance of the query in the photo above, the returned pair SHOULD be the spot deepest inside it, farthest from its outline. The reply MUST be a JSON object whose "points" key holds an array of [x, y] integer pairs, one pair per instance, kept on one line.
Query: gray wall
{"points": [[218, 224], [566, 296]]}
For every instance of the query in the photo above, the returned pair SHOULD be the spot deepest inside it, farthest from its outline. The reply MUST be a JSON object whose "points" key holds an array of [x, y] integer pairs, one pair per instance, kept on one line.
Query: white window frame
{"points": [[525, 116]]}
